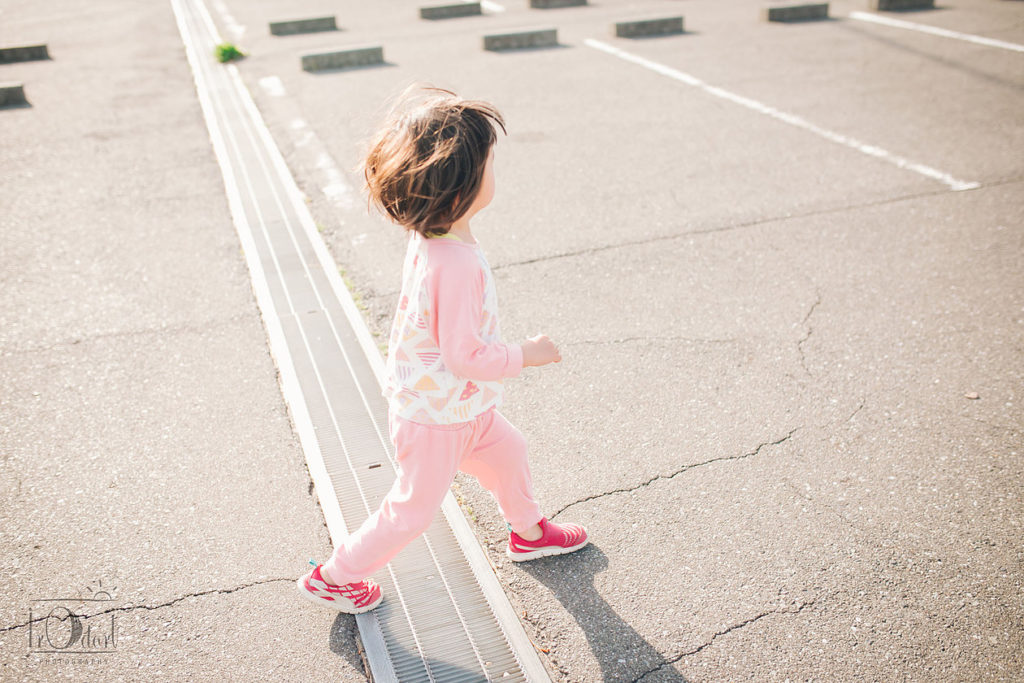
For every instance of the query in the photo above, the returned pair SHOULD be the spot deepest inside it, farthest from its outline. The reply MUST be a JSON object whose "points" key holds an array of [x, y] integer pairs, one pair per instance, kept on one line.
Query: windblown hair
{"points": [[426, 163]]}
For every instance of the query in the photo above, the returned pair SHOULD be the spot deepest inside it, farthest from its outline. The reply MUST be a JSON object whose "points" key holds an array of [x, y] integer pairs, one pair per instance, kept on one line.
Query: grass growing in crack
{"points": [[467, 509], [360, 302], [357, 297], [228, 52]]}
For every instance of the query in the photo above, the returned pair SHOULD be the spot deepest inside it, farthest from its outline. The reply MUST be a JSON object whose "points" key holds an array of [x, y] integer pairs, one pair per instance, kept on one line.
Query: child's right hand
{"points": [[540, 350]]}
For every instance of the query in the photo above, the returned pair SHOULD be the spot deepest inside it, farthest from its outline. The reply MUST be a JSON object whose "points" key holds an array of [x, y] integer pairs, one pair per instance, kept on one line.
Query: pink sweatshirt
{"points": [[446, 362]]}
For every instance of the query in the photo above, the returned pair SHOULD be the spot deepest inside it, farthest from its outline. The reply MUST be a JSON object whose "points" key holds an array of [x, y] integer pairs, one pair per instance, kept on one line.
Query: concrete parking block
{"points": [[648, 27], [295, 26], [518, 40], [367, 55], [796, 12], [552, 4], [23, 53], [461, 9], [12, 94], [900, 5]]}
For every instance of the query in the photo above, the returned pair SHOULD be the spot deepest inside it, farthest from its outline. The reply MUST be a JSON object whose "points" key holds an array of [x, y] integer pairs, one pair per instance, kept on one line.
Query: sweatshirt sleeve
{"points": [[456, 284]]}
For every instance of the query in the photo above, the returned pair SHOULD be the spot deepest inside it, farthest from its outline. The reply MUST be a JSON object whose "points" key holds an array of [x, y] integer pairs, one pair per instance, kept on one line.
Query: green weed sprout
{"points": [[227, 52]]}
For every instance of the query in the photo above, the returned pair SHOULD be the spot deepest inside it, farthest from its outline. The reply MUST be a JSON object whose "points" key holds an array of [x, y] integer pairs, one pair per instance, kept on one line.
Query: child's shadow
{"points": [[623, 653]]}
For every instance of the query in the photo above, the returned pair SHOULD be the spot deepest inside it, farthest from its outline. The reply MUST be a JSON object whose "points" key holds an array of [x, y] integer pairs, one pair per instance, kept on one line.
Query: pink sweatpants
{"points": [[489, 448]]}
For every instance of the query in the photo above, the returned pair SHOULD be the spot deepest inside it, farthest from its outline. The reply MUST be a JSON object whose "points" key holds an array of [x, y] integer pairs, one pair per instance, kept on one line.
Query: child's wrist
{"points": [[527, 351], [516, 359]]}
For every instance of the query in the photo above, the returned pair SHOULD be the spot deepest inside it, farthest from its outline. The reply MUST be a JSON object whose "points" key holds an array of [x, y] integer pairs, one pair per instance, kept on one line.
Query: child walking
{"points": [[430, 170]]}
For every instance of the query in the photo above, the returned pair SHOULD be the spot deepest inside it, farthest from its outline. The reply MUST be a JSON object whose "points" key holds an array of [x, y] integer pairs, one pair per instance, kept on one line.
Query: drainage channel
{"points": [[445, 617]]}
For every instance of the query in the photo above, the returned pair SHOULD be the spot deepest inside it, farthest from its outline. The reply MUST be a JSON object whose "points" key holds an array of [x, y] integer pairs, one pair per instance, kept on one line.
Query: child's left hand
{"points": [[540, 350]]}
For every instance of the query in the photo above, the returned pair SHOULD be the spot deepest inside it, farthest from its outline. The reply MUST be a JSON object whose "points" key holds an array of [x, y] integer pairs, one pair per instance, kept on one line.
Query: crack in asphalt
{"points": [[732, 628], [827, 506], [810, 331], [1004, 428], [169, 603], [677, 472], [194, 328], [624, 340], [863, 402], [724, 228]]}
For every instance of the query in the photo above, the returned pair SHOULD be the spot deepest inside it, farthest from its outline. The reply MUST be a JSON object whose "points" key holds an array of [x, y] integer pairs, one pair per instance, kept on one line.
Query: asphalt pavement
{"points": [[789, 410], [149, 472]]}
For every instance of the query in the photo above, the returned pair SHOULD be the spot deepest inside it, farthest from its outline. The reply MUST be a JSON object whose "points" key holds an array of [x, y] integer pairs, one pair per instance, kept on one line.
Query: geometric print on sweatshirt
{"points": [[419, 387]]}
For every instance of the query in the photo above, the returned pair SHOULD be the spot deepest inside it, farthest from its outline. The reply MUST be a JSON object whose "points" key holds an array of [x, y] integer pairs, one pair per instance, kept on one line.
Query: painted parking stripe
{"points": [[488, 5], [935, 31], [273, 86], [332, 182], [236, 29], [792, 119]]}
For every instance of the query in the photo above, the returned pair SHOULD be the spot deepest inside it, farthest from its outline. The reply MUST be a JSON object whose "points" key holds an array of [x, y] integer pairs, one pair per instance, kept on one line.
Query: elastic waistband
{"points": [[447, 427]]}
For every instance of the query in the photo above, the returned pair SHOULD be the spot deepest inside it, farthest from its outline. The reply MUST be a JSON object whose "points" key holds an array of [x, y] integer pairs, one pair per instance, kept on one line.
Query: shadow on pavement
{"points": [[349, 69], [611, 639], [342, 640]]}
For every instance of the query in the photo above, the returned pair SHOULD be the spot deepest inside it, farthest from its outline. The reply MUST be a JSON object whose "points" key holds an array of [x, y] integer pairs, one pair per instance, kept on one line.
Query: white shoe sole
{"points": [[543, 552], [336, 605]]}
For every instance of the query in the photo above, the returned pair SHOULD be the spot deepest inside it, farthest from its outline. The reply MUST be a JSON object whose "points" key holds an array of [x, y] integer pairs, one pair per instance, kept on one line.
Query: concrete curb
{"points": [[799, 12], [23, 53], [462, 9], [296, 26], [553, 4], [648, 27], [12, 94], [518, 40], [900, 5], [367, 55]]}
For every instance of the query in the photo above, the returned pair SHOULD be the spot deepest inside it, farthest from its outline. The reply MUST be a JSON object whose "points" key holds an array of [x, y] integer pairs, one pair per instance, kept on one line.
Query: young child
{"points": [[430, 169]]}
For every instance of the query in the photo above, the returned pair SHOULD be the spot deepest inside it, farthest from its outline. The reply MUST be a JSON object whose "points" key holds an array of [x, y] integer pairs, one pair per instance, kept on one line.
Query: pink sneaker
{"points": [[556, 539], [350, 598]]}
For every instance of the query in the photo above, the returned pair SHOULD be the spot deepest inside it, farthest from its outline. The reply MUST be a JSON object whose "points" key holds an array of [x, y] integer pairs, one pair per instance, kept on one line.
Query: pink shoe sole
{"points": [[351, 598], [556, 539], [543, 552]]}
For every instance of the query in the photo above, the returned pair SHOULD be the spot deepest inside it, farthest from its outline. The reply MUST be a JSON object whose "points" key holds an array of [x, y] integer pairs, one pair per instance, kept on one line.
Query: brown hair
{"points": [[426, 163]]}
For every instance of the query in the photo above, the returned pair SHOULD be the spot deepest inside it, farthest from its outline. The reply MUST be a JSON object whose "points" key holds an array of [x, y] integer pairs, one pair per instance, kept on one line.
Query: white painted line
{"points": [[273, 86], [791, 119], [935, 31], [236, 29], [488, 5], [333, 182], [336, 189]]}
